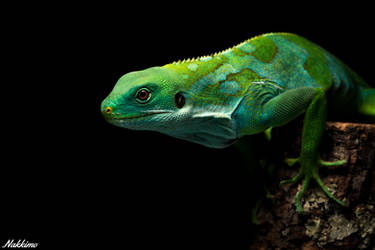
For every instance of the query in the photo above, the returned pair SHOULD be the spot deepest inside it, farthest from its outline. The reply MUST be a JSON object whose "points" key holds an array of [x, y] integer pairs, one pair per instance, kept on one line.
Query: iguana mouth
{"points": [[138, 116]]}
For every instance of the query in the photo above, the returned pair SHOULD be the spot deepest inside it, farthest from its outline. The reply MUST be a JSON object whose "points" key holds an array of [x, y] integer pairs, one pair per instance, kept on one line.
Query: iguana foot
{"points": [[309, 169]]}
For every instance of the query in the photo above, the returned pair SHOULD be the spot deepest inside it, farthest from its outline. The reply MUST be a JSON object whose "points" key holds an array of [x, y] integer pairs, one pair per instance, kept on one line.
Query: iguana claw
{"points": [[291, 161], [310, 171], [332, 163]]}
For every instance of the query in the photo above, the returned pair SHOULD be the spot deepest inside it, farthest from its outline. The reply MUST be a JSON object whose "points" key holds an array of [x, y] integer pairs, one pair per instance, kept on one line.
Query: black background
{"points": [[69, 178]]}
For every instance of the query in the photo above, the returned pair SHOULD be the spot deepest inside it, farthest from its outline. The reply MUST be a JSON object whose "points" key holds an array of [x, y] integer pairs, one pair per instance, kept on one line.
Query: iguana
{"points": [[264, 82]]}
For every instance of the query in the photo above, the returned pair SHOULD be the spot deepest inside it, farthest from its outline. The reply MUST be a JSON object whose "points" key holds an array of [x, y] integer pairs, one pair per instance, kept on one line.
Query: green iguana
{"points": [[264, 82]]}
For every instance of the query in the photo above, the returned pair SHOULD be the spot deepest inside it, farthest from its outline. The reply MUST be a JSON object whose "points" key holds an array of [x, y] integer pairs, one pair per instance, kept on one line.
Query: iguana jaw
{"points": [[135, 116], [148, 120]]}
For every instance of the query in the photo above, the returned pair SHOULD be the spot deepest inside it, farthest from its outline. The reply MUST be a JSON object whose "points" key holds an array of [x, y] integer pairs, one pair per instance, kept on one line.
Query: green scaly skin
{"points": [[264, 82]]}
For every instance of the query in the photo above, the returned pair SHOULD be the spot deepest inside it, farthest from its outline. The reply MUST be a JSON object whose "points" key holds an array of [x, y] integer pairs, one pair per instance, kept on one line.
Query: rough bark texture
{"points": [[324, 224]]}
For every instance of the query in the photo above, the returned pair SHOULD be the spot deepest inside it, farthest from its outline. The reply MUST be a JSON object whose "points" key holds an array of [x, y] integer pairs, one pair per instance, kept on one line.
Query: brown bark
{"points": [[324, 224]]}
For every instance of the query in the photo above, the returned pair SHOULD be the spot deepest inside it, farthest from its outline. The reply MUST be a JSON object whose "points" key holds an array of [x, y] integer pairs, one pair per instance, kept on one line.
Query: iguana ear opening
{"points": [[179, 100]]}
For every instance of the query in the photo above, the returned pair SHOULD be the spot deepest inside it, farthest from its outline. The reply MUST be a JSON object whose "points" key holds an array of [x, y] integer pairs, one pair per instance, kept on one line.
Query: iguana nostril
{"points": [[108, 110]]}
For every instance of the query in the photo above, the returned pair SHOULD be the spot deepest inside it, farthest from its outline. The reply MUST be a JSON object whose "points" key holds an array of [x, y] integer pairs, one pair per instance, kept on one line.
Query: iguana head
{"points": [[145, 100], [157, 99]]}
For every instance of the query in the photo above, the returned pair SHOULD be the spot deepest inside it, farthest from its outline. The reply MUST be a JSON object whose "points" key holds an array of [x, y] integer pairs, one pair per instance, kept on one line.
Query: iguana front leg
{"points": [[290, 103]]}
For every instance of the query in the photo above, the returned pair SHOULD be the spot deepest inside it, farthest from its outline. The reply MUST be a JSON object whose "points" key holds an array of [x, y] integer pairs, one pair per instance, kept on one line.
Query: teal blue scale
{"points": [[286, 68], [229, 87], [220, 74]]}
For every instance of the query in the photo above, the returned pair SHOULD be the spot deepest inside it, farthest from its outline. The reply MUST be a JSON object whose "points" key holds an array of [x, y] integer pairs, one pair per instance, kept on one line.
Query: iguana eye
{"points": [[179, 100], [143, 95]]}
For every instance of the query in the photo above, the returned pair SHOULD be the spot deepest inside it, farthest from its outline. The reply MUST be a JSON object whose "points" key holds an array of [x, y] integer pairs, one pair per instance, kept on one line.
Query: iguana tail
{"points": [[367, 104]]}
